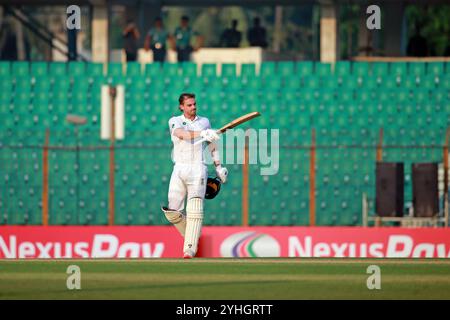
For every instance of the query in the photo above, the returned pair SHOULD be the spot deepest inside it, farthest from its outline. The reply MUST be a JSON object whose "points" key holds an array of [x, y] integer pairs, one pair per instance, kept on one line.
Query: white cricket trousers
{"points": [[187, 179]]}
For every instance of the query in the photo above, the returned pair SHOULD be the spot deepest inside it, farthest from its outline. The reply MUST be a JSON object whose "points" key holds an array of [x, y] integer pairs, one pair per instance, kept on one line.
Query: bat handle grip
{"points": [[203, 139], [199, 141]]}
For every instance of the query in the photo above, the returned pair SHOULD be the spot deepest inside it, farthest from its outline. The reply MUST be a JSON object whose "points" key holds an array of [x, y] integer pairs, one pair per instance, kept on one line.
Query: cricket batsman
{"points": [[190, 173]]}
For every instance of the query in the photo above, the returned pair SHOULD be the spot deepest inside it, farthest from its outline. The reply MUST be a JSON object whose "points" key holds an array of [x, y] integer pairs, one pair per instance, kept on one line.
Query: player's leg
{"points": [[194, 222], [174, 211], [196, 187]]}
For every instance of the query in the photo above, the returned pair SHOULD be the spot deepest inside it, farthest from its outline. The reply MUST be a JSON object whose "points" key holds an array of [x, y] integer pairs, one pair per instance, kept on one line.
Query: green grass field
{"points": [[226, 279]]}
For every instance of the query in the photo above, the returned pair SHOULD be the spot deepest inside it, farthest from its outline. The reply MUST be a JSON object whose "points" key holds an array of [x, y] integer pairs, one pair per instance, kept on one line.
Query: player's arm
{"points": [[214, 153], [207, 134], [186, 134], [177, 130], [221, 172], [212, 146]]}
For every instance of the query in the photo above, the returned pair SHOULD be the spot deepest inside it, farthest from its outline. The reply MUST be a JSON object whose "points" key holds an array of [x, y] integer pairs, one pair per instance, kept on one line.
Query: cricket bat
{"points": [[234, 123]]}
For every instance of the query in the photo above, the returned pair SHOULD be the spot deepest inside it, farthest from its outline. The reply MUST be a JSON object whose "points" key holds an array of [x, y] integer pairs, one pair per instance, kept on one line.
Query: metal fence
{"points": [[323, 178]]}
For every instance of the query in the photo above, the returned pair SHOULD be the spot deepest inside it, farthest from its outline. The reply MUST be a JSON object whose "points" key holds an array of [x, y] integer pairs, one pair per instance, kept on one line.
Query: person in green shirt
{"points": [[182, 38], [156, 41]]}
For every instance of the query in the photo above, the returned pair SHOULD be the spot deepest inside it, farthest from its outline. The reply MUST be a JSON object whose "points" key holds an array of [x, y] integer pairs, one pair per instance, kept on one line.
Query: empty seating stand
{"points": [[346, 103]]}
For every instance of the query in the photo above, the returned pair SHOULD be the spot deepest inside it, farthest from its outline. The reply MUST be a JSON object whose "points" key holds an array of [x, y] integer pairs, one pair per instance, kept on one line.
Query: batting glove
{"points": [[209, 135], [222, 173]]}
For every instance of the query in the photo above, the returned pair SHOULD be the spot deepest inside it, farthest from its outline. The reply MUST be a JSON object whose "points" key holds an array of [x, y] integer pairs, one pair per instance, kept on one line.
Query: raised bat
{"points": [[234, 123]]}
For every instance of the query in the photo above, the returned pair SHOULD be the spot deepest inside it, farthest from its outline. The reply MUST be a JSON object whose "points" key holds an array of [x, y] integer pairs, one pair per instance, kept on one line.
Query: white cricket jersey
{"points": [[184, 151]]}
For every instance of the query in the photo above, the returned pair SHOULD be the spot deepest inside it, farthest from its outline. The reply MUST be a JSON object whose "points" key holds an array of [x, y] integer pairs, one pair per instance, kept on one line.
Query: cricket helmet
{"points": [[212, 187]]}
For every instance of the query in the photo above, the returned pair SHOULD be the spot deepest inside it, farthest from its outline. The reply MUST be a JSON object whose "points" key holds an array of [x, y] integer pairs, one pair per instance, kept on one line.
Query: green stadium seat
{"points": [[345, 96], [95, 69], [248, 70], [429, 82], [389, 82], [342, 68], [309, 95], [380, 69], [212, 83], [286, 68], [330, 82], [420, 96], [409, 82], [369, 82], [361, 69], [231, 84], [311, 82], [292, 83], [116, 80], [189, 69], [349, 82], [251, 84], [323, 69], [170, 69], [435, 68], [138, 83], [5, 69], [195, 86], [23, 83], [60, 84], [417, 68], [228, 70], [305, 68], [41, 84], [39, 69], [444, 82], [58, 69], [20, 69], [439, 96], [209, 70], [133, 69], [175, 88], [267, 69], [399, 68], [76, 69], [115, 69], [5, 93], [273, 83]]}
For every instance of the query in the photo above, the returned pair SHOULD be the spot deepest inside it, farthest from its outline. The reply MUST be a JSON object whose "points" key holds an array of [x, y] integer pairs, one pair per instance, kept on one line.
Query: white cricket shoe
{"points": [[188, 255]]}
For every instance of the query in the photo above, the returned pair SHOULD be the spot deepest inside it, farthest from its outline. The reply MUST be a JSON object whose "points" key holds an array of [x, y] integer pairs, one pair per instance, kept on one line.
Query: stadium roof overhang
{"points": [[207, 2]]}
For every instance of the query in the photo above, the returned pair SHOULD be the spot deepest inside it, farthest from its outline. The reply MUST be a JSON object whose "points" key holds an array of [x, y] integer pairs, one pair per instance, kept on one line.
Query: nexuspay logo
{"points": [[250, 244]]}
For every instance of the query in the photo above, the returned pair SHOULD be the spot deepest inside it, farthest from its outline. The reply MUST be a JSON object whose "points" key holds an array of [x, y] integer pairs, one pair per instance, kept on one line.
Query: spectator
{"points": [[257, 34], [231, 37], [156, 41], [131, 36], [181, 40], [417, 45]]}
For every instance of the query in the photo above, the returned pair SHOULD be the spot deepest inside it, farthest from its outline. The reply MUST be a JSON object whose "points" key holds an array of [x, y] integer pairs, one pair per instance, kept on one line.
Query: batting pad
{"points": [[177, 218], [194, 212]]}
